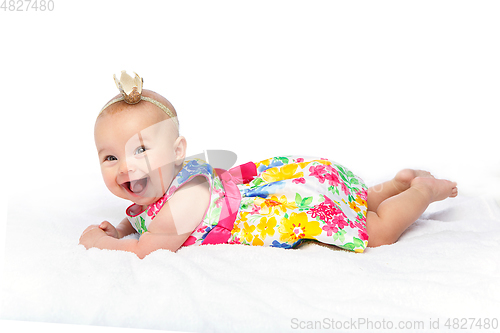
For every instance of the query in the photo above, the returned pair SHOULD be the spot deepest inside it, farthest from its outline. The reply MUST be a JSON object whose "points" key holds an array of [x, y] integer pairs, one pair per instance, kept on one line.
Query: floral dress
{"points": [[278, 202]]}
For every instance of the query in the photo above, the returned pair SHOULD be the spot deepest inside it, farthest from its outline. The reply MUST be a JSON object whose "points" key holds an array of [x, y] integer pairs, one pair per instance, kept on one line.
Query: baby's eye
{"points": [[140, 150], [110, 158]]}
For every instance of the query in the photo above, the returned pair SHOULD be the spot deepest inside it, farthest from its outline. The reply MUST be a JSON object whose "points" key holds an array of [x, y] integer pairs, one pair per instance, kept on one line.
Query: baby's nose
{"points": [[126, 167]]}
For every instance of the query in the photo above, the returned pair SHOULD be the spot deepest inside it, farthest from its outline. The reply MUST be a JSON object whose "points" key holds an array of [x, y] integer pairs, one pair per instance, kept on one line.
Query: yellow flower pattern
{"points": [[247, 231], [297, 227], [281, 173], [275, 205], [266, 227]]}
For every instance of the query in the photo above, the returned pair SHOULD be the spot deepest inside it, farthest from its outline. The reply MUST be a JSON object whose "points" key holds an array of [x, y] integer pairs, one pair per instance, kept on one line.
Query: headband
{"points": [[131, 90]]}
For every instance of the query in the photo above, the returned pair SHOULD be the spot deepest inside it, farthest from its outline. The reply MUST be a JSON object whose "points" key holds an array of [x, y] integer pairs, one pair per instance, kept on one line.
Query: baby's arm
{"points": [[180, 215]]}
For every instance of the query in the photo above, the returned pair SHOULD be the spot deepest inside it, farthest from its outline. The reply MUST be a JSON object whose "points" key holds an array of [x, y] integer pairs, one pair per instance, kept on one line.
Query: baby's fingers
{"points": [[104, 225], [108, 228]]}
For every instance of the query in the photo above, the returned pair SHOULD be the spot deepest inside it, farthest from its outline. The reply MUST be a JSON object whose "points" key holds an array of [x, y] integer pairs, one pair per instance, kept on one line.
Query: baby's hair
{"points": [[117, 104]]}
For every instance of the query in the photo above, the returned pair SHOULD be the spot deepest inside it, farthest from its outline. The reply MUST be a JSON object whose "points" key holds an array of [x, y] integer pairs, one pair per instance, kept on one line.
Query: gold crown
{"points": [[130, 87]]}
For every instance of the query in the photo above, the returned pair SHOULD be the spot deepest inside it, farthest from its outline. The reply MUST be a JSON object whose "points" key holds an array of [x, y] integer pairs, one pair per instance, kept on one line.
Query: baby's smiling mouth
{"points": [[136, 186]]}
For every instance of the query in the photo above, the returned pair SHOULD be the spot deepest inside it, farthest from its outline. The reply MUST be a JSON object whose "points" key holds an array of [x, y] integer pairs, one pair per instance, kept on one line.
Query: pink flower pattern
{"points": [[322, 173], [363, 194], [300, 180], [332, 215], [154, 208]]}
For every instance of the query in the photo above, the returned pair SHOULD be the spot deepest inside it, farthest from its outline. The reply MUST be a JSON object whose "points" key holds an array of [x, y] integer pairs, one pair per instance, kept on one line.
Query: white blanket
{"points": [[444, 266]]}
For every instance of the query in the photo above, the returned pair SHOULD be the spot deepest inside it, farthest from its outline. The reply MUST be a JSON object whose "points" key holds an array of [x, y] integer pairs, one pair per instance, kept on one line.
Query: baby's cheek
{"points": [[161, 162], [110, 183]]}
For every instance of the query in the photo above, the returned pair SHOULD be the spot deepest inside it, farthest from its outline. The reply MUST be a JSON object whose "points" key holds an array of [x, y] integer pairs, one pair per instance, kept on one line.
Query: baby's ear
{"points": [[180, 146]]}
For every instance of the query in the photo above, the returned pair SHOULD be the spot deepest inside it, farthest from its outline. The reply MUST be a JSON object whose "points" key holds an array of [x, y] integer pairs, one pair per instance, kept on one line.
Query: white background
{"points": [[374, 85]]}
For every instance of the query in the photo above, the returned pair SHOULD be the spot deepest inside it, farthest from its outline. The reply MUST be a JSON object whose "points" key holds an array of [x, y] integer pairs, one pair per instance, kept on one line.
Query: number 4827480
{"points": [[27, 5]]}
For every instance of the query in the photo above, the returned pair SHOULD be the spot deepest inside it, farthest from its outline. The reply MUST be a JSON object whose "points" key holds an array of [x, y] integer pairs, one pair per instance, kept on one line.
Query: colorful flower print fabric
{"points": [[297, 198]]}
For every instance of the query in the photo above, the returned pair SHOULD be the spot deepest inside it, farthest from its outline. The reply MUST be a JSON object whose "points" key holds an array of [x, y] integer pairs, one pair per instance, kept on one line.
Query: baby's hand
{"points": [[109, 229], [91, 235]]}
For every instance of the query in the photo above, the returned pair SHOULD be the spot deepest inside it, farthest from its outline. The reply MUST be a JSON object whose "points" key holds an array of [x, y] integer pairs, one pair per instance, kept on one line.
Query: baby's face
{"points": [[139, 151]]}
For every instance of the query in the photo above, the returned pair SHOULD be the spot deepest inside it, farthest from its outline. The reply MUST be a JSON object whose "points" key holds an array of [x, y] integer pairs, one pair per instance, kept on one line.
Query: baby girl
{"points": [[278, 202]]}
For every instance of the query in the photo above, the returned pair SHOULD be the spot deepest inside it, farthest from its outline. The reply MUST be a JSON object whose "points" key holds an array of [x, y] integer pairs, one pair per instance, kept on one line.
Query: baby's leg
{"points": [[396, 213], [400, 183]]}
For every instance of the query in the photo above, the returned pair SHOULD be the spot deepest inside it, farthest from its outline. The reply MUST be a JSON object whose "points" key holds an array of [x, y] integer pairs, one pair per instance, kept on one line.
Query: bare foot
{"points": [[436, 189], [402, 180]]}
